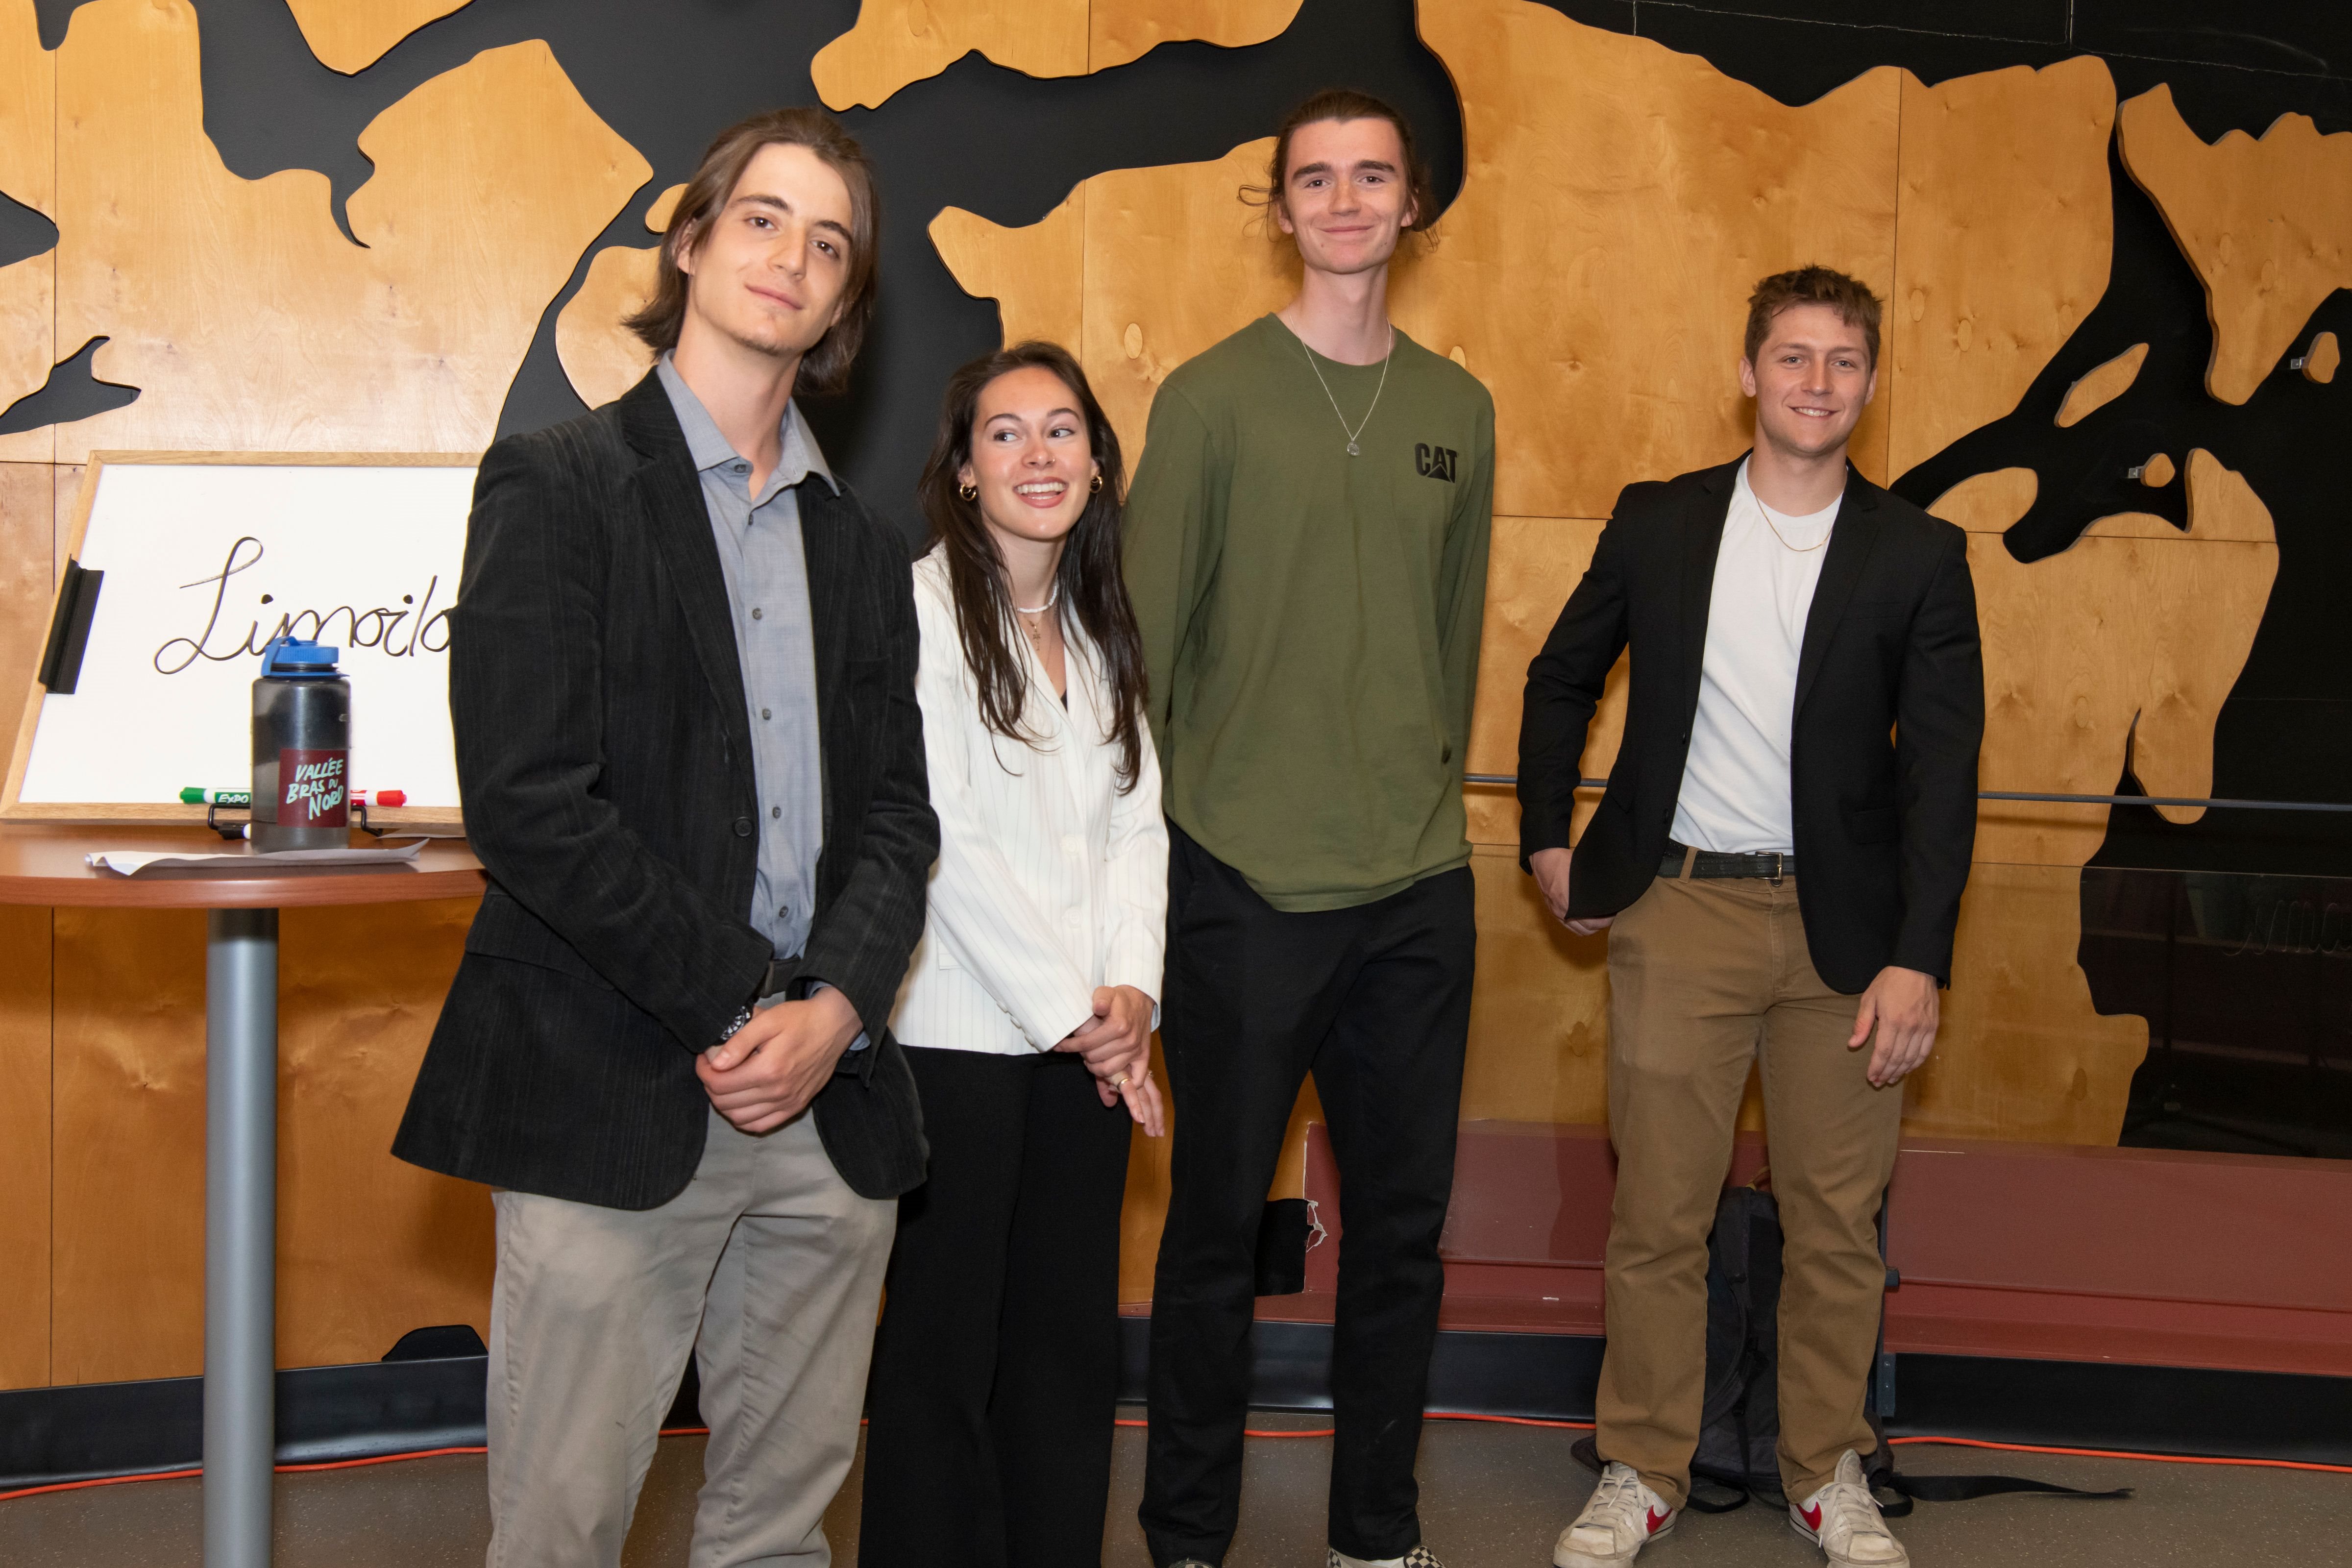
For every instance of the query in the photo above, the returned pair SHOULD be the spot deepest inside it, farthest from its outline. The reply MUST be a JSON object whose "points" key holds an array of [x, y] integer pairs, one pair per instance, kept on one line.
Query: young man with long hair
{"points": [[1028, 1009], [682, 684], [1307, 557], [1779, 861]]}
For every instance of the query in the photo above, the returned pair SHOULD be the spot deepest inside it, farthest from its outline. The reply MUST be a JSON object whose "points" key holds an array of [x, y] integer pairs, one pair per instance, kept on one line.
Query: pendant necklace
{"points": [[1036, 630], [1354, 451]]}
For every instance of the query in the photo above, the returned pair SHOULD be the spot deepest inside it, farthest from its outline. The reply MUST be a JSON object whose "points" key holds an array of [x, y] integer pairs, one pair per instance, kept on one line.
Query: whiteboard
{"points": [[207, 556]]}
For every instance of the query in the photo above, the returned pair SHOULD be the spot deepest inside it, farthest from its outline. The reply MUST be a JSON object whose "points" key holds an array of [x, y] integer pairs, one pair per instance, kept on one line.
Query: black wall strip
{"points": [[329, 1412]]}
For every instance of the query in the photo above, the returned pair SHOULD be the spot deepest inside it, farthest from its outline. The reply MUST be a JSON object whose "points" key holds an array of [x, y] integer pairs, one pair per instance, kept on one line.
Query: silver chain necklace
{"points": [[1354, 451]]}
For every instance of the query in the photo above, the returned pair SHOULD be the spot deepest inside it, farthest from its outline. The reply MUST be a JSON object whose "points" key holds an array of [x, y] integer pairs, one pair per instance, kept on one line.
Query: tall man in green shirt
{"points": [[1306, 553]]}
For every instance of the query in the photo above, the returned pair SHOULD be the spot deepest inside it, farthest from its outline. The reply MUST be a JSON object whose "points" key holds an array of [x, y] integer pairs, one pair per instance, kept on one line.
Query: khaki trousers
{"points": [[768, 1269], [1704, 978]]}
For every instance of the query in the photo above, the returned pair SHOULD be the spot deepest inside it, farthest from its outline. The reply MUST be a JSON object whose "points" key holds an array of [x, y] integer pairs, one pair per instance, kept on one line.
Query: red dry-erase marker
{"points": [[379, 797]]}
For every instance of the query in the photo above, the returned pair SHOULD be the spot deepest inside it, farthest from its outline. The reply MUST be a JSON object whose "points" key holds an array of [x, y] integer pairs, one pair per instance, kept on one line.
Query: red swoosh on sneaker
{"points": [[1658, 1517], [1812, 1515]]}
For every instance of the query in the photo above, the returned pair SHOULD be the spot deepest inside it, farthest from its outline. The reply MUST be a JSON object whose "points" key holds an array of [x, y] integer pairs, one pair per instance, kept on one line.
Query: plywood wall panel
{"points": [[1990, 502], [2134, 636], [350, 36], [899, 41], [28, 176], [25, 1008], [601, 357], [1123, 30], [2022, 1053], [1539, 1009], [1174, 261], [2267, 225], [489, 180], [1531, 282], [27, 579], [2100, 385], [368, 1249], [1533, 566], [130, 1128], [1036, 273], [2002, 238], [1611, 360], [2320, 360]]}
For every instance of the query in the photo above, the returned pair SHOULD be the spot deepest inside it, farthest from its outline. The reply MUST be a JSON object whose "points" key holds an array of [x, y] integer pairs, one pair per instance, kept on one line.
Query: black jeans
{"points": [[996, 1365], [1375, 1001]]}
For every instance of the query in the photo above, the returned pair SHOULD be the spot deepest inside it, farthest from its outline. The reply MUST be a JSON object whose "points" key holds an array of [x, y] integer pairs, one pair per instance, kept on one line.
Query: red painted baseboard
{"points": [[2040, 1251]]}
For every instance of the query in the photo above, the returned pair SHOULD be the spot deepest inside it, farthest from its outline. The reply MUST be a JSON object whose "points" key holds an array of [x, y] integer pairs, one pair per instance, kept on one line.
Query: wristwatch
{"points": [[728, 1032]]}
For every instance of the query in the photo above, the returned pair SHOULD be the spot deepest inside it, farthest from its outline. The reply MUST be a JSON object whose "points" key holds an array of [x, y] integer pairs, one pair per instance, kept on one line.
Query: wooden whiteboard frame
{"points": [[13, 809]]}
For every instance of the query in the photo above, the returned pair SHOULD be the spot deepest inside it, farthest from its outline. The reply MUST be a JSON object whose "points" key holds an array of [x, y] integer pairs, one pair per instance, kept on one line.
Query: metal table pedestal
{"points": [[240, 1234]]}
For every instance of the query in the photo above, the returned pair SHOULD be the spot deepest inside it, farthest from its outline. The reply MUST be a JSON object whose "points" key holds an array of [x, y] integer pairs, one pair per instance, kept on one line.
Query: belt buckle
{"points": [[1778, 860]]}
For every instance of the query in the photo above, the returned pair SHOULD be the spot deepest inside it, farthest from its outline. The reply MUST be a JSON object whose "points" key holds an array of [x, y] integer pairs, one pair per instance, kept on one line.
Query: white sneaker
{"points": [[1622, 1516], [1842, 1519]]}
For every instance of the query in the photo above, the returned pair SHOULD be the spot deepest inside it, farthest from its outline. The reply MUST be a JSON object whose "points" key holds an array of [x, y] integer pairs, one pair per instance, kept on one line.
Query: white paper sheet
{"points": [[130, 862]]}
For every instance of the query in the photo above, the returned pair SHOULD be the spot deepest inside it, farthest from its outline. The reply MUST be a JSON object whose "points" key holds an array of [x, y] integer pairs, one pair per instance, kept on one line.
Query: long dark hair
{"points": [[825, 367], [1091, 592]]}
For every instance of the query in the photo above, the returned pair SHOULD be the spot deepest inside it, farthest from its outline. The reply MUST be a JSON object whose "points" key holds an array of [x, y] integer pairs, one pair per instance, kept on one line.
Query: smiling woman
{"points": [[1028, 1009]]}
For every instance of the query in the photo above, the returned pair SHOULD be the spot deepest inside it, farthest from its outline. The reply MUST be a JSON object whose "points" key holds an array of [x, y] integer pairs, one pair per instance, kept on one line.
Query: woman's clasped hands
{"points": [[1116, 1046]]}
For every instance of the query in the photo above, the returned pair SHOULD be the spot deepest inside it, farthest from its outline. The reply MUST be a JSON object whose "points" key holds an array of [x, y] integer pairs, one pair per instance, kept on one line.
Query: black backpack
{"points": [[1739, 1423]]}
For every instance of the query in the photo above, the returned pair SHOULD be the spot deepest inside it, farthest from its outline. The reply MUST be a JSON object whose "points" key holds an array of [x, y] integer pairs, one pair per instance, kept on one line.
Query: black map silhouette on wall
{"points": [[665, 75]]}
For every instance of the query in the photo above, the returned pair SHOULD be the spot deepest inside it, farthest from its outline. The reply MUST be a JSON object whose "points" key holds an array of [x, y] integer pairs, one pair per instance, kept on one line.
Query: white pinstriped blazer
{"points": [[1050, 883]]}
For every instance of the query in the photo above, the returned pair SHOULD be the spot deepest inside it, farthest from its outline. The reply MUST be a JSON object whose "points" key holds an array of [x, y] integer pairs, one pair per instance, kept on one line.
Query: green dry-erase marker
{"points": [[192, 795]]}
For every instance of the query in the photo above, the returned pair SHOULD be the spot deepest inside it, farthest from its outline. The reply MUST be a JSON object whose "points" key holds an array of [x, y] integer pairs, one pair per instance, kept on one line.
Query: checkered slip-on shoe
{"points": [[1419, 1557]]}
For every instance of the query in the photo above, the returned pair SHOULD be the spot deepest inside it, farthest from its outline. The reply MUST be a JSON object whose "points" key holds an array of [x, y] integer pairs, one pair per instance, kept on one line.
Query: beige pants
{"points": [[769, 1269], [1704, 978]]}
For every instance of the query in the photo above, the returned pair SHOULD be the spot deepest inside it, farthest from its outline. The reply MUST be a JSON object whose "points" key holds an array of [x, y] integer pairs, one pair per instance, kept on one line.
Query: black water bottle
{"points": [[301, 749]]}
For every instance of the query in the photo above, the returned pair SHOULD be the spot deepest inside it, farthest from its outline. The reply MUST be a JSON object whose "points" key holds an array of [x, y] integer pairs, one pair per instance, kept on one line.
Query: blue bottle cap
{"points": [[292, 658]]}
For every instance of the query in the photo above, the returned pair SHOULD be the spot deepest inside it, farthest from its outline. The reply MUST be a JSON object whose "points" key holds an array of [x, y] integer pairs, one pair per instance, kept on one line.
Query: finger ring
{"points": [[1120, 1082]]}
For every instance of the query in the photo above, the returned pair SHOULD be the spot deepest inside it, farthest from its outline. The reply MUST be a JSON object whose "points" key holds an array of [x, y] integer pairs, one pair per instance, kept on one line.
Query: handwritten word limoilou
{"points": [[318, 786], [379, 628]]}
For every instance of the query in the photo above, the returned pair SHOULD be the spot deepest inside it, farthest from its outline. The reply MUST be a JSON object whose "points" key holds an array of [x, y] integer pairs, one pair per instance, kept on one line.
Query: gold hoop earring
{"points": [[969, 492], [1095, 487]]}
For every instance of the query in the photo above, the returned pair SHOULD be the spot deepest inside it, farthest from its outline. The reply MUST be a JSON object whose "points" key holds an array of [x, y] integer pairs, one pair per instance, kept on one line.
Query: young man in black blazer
{"points": [[1788, 825], [682, 681]]}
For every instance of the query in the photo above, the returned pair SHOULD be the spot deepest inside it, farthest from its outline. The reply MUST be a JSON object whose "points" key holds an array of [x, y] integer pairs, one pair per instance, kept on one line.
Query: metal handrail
{"points": [[2039, 795]]}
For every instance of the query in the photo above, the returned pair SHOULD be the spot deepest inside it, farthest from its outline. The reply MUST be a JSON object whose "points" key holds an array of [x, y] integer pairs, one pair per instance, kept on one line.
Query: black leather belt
{"points": [[1715, 863]]}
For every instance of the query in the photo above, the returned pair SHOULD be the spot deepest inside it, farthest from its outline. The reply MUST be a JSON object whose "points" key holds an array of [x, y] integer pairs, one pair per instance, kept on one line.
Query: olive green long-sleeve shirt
{"points": [[1310, 620]]}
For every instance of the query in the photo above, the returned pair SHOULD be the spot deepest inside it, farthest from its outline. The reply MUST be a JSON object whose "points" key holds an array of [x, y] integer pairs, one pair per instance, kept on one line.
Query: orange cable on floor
{"points": [[2121, 1454], [1253, 1432]]}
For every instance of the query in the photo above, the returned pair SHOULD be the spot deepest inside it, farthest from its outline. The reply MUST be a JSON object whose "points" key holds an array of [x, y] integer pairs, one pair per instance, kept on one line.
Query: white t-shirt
{"points": [[1734, 795]]}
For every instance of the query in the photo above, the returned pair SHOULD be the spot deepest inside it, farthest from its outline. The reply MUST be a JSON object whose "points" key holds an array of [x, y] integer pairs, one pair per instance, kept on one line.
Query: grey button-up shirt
{"points": [[759, 540]]}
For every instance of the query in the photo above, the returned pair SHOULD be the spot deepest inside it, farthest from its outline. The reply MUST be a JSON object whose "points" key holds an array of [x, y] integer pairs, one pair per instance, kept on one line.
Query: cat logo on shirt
{"points": [[1435, 462]]}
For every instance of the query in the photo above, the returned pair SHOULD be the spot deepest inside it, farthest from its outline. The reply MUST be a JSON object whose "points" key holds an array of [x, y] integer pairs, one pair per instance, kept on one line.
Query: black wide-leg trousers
{"points": [[996, 1365], [1375, 1001]]}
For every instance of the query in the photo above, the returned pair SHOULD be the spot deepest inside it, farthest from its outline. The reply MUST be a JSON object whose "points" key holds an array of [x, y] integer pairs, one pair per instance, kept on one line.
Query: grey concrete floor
{"points": [[1491, 1494]]}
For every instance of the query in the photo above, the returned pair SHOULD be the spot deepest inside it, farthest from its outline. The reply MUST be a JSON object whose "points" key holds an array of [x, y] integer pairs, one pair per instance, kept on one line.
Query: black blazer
{"points": [[605, 759], [1884, 823]]}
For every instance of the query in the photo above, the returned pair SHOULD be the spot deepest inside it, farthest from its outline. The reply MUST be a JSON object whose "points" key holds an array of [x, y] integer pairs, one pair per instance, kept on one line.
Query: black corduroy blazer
{"points": [[605, 756], [1889, 717]]}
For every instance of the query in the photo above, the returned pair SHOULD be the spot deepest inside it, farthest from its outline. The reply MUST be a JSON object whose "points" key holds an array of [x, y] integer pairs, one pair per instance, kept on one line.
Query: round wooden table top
{"points": [[43, 864]]}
